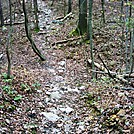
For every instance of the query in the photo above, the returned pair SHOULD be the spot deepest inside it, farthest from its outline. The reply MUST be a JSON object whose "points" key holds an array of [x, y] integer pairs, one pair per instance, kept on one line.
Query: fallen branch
{"points": [[128, 75], [113, 74], [65, 41], [124, 88], [68, 15], [102, 68], [15, 23]]}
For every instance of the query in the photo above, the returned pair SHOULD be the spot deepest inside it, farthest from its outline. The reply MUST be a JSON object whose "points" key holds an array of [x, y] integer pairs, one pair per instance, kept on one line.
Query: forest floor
{"points": [[58, 96]]}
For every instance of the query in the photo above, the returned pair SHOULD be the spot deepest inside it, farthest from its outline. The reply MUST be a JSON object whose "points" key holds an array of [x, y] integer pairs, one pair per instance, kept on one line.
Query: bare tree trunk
{"points": [[90, 35], [69, 6], [1, 14], [103, 10], [36, 14], [9, 42], [82, 24], [28, 34]]}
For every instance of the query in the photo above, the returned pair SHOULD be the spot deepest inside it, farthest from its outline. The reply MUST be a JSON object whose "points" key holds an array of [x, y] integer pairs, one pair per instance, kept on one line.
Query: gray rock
{"points": [[73, 90], [62, 63], [67, 109], [50, 116], [55, 95]]}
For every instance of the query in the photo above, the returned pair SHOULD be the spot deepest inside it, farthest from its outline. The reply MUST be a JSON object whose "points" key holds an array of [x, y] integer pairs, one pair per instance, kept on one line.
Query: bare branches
{"points": [[111, 74]]}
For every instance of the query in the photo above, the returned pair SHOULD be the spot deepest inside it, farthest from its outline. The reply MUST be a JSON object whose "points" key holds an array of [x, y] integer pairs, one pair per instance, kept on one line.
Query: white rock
{"points": [[81, 127], [56, 88], [55, 95], [47, 100], [1, 55], [7, 121], [67, 127], [40, 104], [82, 87], [53, 110], [50, 116], [29, 126], [59, 78], [48, 93], [67, 109], [62, 63], [51, 70], [73, 90]]}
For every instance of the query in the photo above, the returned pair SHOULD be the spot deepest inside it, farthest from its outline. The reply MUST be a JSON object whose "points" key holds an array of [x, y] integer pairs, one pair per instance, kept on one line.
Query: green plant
{"points": [[8, 80], [18, 97], [6, 88], [5, 76], [36, 85], [130, 23], [25, 87]]}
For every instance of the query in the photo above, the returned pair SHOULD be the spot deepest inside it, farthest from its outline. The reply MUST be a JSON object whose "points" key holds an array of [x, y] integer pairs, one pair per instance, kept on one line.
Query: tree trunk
{"points": [[103, 10], [28, 34], [36, 14], [69, 6], [9, 43], [1, 14], [82, 24], [90, 35]]}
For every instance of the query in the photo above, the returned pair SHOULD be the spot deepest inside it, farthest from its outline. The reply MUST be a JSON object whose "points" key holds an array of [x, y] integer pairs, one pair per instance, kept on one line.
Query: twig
{"points": [[15, 23], [66, 17], [65, 41], [114, 74], [109, 73], [124, 88]]}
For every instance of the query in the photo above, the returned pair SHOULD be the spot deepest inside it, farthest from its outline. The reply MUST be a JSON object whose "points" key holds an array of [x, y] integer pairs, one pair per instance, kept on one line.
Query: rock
{"points": [[53, 110], [55, 131], [59, 78], [67, 110], [67, 128], [62, 63], [47, 100], [48, 93], [55, 95], [7, 121], [56, 88], [30, 126], [50, 116], [51, 70], [40, 104], [1, 55], [82, 87], [73, 90]]}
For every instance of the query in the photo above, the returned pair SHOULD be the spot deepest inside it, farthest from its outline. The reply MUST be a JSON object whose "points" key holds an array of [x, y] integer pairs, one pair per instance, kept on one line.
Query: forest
{"points": [[66, 66]]}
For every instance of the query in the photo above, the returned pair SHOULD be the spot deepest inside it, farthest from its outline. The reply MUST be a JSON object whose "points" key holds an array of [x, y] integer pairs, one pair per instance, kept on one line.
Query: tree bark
{"points": [[28, 34], [1, 15], [82, 24]]}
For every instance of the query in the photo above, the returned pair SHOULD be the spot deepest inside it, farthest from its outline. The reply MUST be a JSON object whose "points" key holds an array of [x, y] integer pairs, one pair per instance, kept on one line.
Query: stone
{"points": [[55, 95], [50, 116]]}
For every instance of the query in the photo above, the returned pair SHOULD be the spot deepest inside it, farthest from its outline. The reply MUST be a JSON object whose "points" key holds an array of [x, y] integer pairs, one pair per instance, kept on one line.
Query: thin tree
{"points": [[28, 34], [36, 14], [90, 34], [69, 6], [8, 44], [1, 14], [82, 24], [126, 32], [103, 10]]}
